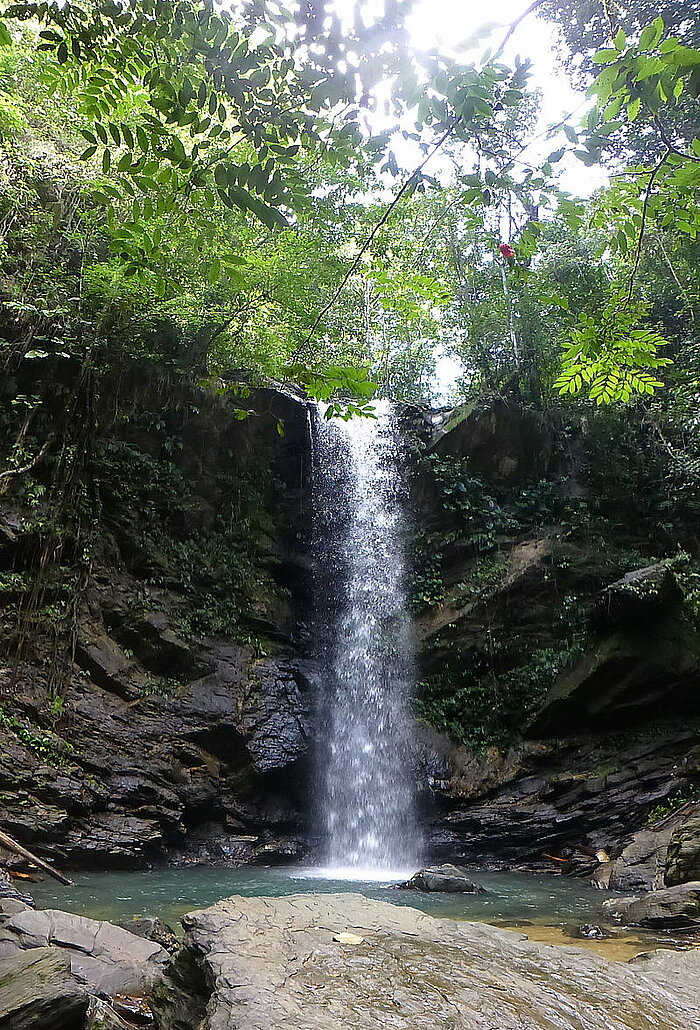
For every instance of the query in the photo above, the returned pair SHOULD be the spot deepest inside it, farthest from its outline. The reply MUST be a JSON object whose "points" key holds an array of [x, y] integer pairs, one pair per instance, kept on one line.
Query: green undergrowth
{"points": [[208, 553], [47, 746], [671, 804]]}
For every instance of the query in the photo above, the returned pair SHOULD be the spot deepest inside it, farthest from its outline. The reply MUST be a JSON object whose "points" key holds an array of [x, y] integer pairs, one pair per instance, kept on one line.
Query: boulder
{"points": [[636, 595], [503, 442], [107, 958], [667, 909], [282, 964], [153, 929], [106, 664], [683, 855], [641, 865], [37, 992], [624, 675], [448, 879]]}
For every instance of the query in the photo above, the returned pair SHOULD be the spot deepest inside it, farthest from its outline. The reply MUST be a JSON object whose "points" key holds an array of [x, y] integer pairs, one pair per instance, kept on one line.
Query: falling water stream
{"points": [[366, 778]]}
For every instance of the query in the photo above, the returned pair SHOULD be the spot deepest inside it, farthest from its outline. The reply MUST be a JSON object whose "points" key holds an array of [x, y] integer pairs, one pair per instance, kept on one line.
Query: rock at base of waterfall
{"points": [[671, 908], [448, 879], [272, 963]]}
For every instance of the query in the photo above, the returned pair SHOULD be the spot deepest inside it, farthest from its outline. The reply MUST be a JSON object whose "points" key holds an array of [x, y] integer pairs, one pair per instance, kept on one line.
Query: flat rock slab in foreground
{"points": [[37, 992], [106, 958], [276, 966]]}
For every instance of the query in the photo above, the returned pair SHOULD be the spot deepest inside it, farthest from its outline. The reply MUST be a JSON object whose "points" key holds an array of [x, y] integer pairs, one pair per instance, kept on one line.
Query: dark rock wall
{"points": [[559, 636], [153, 702]]}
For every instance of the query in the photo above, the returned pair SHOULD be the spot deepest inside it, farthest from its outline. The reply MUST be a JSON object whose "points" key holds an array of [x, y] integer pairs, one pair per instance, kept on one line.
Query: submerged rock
{"points": [[667, 909], [590, 932], [449, 879], [273, 964]]}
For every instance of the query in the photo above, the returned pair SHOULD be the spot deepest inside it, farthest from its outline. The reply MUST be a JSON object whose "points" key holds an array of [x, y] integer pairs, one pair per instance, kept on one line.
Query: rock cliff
{"points": [[153, 701], [156, 689]]}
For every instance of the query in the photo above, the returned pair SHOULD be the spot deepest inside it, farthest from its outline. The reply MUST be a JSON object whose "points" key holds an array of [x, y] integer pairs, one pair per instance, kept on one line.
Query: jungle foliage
{"points": [[206, 188]]}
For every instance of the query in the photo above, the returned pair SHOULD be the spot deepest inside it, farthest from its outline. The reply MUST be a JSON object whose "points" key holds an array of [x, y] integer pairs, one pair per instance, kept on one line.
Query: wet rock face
{"points": [[667, 909], [543, 798], [446, 879], [170, 742], [226, 751], [683, 855], [281, 964], [276, 723]]}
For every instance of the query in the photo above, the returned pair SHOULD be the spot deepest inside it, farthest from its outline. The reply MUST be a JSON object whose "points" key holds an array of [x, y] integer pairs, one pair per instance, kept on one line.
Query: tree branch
{"points": [[8, 473], [514, 24], [642, 227]]}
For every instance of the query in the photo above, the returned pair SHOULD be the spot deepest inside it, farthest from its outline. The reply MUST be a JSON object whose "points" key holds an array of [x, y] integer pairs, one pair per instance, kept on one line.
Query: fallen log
{"points": [[12, 845]]}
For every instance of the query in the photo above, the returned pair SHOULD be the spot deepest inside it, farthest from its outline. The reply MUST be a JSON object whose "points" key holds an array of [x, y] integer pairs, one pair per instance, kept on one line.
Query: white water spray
{"points": [[366, 769]]}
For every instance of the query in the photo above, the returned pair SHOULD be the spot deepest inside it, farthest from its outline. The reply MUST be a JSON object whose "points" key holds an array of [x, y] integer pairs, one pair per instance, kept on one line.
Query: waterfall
{"points": [[366, 779]]}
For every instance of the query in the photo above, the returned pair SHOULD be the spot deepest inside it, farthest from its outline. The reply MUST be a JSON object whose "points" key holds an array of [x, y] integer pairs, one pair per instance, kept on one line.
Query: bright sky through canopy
{"points": [[466, 29]]}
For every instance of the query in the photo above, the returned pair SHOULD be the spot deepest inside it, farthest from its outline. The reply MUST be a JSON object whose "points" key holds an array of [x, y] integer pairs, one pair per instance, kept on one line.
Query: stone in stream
{"points": [[449, 879], [37, 992], [671, 908], [273, 964]]}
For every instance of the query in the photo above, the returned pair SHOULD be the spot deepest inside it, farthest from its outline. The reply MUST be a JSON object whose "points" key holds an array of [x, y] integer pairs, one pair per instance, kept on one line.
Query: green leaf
{"points": [[214, 271], [605, 56], [620, 40], [651, 34]]}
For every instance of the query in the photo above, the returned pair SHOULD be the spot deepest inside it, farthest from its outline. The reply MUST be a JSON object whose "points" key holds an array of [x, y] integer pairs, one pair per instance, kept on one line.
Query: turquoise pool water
{"points": [[168, 893]]}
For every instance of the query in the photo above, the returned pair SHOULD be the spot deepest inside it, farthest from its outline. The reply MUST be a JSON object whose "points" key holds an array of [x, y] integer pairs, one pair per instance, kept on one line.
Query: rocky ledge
{"points": [[323, 962], [65, 972]]}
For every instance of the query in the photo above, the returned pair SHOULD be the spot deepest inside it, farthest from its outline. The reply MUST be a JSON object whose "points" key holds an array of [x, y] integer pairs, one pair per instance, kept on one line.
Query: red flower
{"points": [[506, 250]]}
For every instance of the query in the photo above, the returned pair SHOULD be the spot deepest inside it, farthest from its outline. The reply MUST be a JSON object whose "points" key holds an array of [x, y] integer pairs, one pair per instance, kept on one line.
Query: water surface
{"points": [[515, 898]]}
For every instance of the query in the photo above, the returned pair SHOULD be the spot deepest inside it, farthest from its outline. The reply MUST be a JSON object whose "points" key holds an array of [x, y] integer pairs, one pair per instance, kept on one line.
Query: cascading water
{"points": [[366, 776]]}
